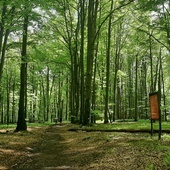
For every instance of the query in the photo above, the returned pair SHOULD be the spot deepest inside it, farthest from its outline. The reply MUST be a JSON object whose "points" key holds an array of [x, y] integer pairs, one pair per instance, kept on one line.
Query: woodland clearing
{"points": [[55, 147]]}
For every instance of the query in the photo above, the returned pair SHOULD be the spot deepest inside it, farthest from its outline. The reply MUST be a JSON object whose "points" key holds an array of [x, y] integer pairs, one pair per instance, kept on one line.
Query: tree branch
{"points": [[116, 9], [154, 38]]}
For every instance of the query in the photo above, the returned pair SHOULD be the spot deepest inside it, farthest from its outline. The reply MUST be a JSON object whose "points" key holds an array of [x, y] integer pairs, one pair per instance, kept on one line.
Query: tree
{"points": [[21, 123], [85, 57], [108, 66], [82, 23], [6, 21], [91, 32]]}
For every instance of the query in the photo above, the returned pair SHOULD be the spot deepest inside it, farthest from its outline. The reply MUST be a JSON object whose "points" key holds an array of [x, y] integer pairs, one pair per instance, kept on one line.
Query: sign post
{"points": [[155, 113]]}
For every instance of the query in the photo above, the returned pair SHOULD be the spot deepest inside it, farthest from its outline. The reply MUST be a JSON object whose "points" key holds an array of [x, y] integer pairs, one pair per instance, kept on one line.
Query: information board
{"points": [[154, 106]]}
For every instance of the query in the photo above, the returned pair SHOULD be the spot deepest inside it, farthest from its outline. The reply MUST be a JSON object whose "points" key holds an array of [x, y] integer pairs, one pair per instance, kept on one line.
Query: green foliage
{"points": [[97, 112], [150, 167], [54, 41], [151, 5], [167, 159], [131, 125], [74, 120], [40, 124], [5, 126], [86, 138]]}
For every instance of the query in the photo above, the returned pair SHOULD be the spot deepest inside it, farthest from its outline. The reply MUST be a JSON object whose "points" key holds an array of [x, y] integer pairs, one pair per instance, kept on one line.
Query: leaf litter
{"points": [[55, 147]]}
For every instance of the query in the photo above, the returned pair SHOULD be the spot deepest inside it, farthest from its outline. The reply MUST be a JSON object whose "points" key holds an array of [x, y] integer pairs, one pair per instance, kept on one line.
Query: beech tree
{"points": [[82, 58], [21, 123], [108, 66]]}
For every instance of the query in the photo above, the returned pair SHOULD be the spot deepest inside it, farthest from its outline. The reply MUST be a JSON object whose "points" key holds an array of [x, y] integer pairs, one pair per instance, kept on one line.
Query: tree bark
{"points": [[151, 63], [21, 123], [47, 93], [136, 89], [92, 16], [82, 20], [108, 67]]}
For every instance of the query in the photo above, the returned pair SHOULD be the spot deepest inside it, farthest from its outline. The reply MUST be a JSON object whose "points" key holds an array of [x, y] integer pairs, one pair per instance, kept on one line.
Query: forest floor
{"points": [[57, 148]]}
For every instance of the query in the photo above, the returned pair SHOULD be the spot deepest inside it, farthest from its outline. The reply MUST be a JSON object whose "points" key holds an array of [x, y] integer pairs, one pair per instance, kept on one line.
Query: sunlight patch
{"points": [[86, 149], [16, 143], [3, 131], [68, 141], [7, 151], [58, 167], [3, 167], [33, 128]]}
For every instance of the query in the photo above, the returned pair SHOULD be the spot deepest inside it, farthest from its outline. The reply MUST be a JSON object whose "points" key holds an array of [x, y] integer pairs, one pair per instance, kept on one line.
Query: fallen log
{"points": [[119, 130]]}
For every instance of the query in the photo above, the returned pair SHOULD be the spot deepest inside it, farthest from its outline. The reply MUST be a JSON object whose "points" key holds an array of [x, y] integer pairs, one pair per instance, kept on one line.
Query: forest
{"points": [[82, 60]]}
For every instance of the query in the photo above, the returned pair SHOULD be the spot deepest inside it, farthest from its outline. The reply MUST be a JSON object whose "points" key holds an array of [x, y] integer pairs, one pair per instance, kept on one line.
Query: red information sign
{"points": [[154, 106]]}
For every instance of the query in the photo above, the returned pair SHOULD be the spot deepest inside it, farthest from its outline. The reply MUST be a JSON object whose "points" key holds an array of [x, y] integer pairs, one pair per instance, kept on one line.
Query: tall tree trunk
{"points": [[59, 98], [163, 85], [21, 123], [151, 63], [76, 69], [93, 104], [67, 99], [26, 99], [143, 88], [117, 56], [91, 32], [82, 20], [73, 54], [43, 103], [4, 10], [94, 83], [2, 108], [47, 93], [3, 52], [136, 89], [156, 74], [8, 82], [108, 67], [13, 101], [130, 87], [3, 39]]}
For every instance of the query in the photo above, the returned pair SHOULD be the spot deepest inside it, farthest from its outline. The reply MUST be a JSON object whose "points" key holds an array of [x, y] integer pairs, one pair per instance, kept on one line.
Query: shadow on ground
{"points": [[60, 149], [57, 148]]}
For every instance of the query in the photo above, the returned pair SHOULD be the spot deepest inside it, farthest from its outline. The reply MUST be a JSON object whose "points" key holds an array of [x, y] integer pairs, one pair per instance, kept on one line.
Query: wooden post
{"points": [[151, 127], [160, 119]]}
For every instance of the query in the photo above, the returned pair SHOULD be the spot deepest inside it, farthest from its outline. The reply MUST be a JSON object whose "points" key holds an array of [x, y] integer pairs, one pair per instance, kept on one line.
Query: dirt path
{"points": [[61, 149], [56, 148]]}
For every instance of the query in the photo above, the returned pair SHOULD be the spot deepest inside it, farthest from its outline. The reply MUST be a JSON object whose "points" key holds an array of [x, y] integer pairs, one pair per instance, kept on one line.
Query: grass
{"points": [[5, 126], [167, 159], [127, 124], [150, 167], [13, 126], [131, 125], [39, 124]]}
